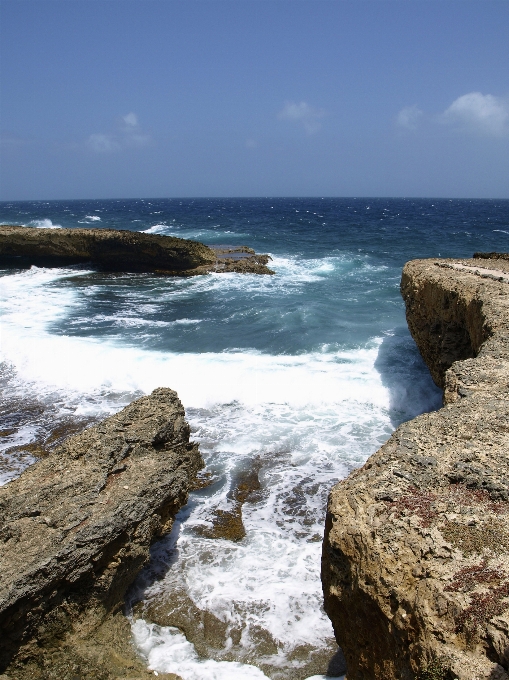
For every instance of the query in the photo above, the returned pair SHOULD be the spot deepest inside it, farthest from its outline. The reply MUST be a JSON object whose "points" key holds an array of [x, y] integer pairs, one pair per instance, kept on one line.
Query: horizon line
{"points": [[267, 198]]}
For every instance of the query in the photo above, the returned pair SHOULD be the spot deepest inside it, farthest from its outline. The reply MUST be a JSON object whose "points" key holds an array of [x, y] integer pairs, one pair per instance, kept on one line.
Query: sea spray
{"points": [[293, 379]]}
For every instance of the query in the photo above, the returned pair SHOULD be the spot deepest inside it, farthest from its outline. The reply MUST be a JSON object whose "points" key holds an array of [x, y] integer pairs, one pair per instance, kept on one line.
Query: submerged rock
{"points": [[123, 250], [75, 530], [415, 566]]}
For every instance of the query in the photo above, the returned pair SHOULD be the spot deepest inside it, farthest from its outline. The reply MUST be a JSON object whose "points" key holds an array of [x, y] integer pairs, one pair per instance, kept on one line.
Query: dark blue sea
{"points": [[302, 374]]}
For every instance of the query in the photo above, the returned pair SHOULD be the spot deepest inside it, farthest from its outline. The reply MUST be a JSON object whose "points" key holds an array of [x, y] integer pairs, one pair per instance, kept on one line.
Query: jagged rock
{"points": [[122, 250], [415, 566], [75, 530]]}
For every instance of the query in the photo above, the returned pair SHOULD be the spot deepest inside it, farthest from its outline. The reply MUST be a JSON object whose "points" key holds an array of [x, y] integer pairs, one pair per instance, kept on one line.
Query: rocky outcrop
{"points": [[75, 530], [240, 259], [111, 249], [415, 565], [122, 250]]}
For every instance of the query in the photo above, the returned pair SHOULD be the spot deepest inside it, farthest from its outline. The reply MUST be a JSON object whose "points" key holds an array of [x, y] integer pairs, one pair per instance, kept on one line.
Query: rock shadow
{"points": [[337, 665], [406, 377]]}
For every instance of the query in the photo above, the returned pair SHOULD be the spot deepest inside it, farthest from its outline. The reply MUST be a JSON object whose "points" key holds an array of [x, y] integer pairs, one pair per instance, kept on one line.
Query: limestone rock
{"points": [[111, 249], [240, 259], [75, 530], [415, 566], [123, 250]]}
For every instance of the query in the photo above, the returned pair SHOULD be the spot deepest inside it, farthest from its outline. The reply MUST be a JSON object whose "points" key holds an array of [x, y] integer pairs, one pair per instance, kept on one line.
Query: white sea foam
{"points": [[89, 218], [305, 420], [168, 651], [157, 229], [197, 234], [133, 321], [44, 224], [13, 463]]}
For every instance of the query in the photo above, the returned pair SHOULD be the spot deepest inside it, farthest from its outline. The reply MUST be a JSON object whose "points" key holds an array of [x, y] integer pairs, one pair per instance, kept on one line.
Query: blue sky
{"points": [[163, 98]]}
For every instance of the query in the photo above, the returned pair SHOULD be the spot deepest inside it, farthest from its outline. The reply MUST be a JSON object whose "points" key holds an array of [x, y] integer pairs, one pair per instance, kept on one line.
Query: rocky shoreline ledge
{"points": [[75, 530], [123, 250], [415, 566]]}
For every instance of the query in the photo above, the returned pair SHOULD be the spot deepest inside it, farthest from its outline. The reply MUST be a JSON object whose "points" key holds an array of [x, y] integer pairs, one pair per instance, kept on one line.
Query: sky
{"points": [[188, 98]]}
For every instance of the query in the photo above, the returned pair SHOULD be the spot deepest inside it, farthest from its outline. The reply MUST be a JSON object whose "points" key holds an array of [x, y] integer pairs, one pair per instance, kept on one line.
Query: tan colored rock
{"points": [[415, 566], [112, 249], [75, 530], [120, 250]]}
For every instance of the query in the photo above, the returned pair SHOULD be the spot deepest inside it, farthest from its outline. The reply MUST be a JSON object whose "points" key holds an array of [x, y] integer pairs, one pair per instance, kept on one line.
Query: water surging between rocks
{"points": [[239, 575]]}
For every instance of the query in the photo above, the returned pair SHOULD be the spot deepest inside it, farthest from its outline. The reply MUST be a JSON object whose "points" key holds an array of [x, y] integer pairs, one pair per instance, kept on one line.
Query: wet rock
{"points": [[227, 523], [415, 566], [240, 259], [76, 529]]}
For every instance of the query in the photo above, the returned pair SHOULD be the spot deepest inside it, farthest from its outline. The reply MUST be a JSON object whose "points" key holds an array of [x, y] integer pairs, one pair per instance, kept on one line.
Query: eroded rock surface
{"points": [[240, 259], [123, 250], [415, 566], [75, 530]]}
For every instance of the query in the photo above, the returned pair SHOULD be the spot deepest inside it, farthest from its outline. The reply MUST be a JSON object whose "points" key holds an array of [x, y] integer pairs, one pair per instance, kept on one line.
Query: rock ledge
{"points": [[120, 250], [415, 566]]}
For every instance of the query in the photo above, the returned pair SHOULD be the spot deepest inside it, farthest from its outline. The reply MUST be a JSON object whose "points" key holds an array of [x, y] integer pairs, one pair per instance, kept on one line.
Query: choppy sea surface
{"points": [[289, 382]]}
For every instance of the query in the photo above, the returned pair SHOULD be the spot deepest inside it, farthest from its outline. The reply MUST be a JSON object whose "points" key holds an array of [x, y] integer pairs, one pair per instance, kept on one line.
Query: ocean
{"points": [[289, 382]]}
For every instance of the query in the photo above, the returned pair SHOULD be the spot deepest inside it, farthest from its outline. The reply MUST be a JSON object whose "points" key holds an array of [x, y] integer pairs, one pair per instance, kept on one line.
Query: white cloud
{"points": [[131, 120], [479, 112], [303, 114], [409, 117], [128, 134]]}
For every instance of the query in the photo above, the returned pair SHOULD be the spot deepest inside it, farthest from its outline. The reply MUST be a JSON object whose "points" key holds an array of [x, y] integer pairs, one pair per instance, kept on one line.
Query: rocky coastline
{"points": [[415, 565], [75, 530], [119, 250]]}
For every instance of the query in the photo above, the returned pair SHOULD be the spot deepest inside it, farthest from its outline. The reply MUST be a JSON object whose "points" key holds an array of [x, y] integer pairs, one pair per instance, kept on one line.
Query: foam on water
{"points": [[157, 229], [44, 224], [301, 420], [168, 651], [196, 234], [12, 459]]}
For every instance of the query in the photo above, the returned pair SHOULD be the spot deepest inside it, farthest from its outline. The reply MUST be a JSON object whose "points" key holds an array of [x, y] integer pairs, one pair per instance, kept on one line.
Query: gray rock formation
{"points": [[122, 250], [75, 530], [415, 566]]}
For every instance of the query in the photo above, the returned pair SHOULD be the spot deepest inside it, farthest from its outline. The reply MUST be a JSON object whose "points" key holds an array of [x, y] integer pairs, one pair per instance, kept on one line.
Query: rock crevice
{"points": [[415, 565]]}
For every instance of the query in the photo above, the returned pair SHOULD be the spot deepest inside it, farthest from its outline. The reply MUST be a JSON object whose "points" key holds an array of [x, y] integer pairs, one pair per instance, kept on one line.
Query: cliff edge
{"points": [[415, 565], [75, 530]]}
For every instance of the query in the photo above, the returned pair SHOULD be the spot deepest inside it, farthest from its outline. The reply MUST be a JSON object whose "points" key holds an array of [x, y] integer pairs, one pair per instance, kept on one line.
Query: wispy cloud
{"points": [[128, 134], [409, 117], [131, 120], [473, 113], [479, 112], [304, 114]]}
